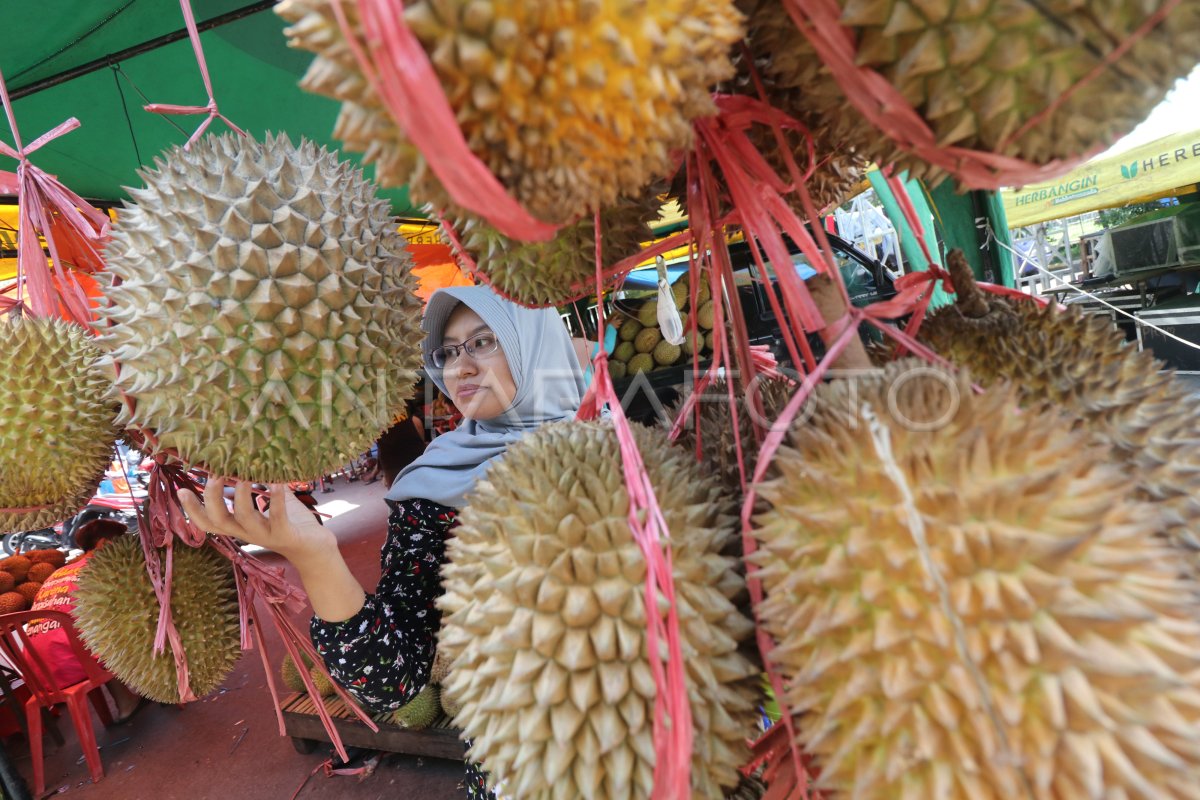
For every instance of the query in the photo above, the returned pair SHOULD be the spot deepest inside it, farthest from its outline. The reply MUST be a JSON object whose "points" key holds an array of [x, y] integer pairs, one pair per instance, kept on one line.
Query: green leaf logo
{"points": [[1130, 172]]}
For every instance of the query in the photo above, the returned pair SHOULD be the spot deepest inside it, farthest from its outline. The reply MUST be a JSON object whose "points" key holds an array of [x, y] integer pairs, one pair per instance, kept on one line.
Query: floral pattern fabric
{"points": [[383, 654]]}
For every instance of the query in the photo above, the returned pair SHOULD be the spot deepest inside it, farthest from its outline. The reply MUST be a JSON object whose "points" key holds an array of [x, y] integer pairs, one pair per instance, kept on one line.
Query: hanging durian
{"points": [[117, 613], [718, 450], [1082, 364], [978, 73], [971, 602], [571, 105], [545, 620], [263, 317], [550, 273], [57, 421]]}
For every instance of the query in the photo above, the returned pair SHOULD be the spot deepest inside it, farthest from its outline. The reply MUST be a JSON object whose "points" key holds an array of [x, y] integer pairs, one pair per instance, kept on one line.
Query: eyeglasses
{"points": [[479, 346]]}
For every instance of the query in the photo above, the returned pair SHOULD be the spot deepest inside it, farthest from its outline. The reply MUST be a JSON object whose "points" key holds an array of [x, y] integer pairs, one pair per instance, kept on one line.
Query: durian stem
{"points": [[968, 296], [831, 303]]}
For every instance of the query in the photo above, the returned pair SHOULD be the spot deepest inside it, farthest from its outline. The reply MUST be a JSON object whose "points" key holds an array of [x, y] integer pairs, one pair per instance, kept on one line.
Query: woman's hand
{"points": [[288, 528]]}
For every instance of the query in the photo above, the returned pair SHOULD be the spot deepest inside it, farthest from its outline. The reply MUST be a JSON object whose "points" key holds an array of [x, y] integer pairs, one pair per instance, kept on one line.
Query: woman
{"points": [[508, 370]]}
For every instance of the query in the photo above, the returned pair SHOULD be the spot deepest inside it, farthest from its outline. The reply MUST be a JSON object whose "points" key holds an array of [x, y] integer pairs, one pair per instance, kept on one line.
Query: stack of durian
{"points": [[21, 576], [640, 343]]}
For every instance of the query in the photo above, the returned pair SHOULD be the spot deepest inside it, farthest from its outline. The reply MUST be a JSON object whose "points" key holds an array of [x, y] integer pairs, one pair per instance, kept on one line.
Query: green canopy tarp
{"points": [[254, 76]]}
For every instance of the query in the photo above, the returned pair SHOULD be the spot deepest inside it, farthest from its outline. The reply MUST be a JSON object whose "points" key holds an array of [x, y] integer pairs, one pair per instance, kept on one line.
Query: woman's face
{"points": [[480, 386]]}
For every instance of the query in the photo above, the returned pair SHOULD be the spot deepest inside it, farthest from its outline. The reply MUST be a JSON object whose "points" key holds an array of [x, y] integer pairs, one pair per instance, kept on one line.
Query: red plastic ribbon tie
{"points": [[396, 67], [672, 713], [210, 108], [74, 231]]}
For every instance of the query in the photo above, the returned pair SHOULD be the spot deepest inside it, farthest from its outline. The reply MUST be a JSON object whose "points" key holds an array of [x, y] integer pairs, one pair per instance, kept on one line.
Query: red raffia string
{"points": [[397, 68], [672, 714], [756, 196], [211, 108], [73, 229], [885, 108]]}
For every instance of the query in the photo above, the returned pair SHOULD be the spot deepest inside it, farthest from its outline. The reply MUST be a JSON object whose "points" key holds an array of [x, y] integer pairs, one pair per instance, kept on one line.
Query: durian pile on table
{"points": [[970, 573]]}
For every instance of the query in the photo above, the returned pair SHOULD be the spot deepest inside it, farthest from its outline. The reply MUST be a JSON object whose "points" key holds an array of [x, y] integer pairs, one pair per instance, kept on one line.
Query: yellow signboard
{"points": [[1152, 170]]}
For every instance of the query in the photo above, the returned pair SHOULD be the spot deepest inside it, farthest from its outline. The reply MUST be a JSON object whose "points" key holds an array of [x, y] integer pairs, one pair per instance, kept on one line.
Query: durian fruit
{"points": [[987, 612], [420, 712], [7, 582], [451, 706], [647, 340], [628, 330], [28, 590], [618, 369], [625, 350], [977, 72], [571, 105], [440, 668], [705, 316], [718, 450], [292, 680], [17, 566], [642, 362], [117, 611], [49, 556], [57, 421], [544, 618], [290, 674], [40, 571], [550, 273], [12, 601], [1084, 365], [648, 314], [666, 353], [264, 318]]}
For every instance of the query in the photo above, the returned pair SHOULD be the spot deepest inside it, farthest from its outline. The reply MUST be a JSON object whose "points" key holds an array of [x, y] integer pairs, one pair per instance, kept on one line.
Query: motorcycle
{"points": [[121, 507]]}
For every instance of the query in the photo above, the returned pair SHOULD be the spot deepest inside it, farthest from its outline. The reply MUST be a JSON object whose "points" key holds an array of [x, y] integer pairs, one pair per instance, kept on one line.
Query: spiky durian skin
{"points": [[420, 712], [550, 273], [546, 623], [264, 318], [718, 450], [117, 612], [57, 421], [441, 667], [977, 72], [1071, 608], [571, 105], [1083, 364]]}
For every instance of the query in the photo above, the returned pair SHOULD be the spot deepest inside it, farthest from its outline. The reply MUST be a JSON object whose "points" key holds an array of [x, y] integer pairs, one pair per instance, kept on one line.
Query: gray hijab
{"points": [[549, 387]]}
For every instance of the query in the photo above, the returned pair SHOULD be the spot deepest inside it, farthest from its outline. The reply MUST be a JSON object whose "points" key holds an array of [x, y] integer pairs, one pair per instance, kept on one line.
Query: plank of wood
{"points": [[437, 741]]}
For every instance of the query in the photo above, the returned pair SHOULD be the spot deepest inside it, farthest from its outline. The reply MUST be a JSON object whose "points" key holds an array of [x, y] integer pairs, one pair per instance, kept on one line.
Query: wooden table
{"points": [[301, 722]]}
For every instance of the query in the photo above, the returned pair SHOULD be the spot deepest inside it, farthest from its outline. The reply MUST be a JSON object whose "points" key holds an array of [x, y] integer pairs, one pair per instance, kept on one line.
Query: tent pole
{"points": [[138, 49]]}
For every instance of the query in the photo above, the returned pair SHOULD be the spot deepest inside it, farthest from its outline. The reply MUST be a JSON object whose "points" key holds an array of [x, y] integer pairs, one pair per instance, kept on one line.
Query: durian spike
{"points": [[967, 294]]}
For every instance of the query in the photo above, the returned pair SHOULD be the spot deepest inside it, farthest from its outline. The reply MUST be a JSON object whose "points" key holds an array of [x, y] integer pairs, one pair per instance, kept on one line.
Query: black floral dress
{"points": [[383, 654]]}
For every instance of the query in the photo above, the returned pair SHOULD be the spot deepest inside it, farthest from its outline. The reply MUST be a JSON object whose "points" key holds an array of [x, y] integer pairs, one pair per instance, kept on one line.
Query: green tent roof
{"points": [[254, 76]]}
